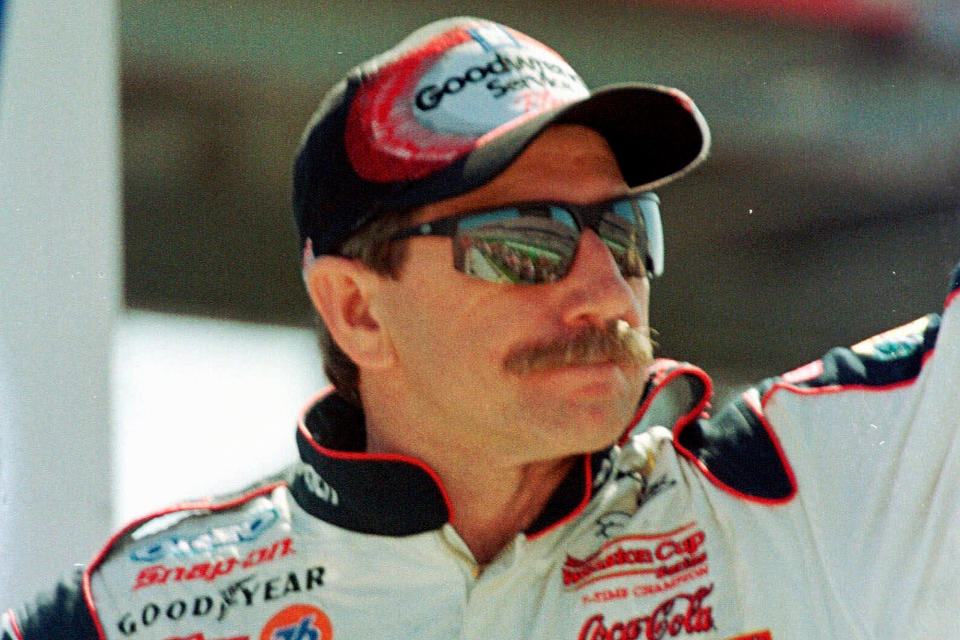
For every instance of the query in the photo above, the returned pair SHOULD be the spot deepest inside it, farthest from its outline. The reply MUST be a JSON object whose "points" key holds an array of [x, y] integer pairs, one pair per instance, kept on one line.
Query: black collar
{"points": [[395, 495]]}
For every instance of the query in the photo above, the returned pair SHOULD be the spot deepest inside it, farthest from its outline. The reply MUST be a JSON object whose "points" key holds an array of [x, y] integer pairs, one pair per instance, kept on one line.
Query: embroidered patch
{"points": [[681, 615], [901, 342], [664, 561]]}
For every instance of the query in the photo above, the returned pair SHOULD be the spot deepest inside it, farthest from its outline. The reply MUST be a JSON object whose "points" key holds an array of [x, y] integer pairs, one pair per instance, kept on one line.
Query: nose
{"points": [[595, 292]]}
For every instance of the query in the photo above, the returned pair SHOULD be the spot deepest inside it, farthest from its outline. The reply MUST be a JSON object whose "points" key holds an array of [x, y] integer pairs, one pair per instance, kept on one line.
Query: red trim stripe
{"points": [[662, 382], [12, 619], [950, 298], [837, 388]]}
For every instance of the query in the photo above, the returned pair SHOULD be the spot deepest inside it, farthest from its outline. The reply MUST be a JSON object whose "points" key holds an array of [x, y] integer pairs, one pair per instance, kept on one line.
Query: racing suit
{"points": [[824, 503]]}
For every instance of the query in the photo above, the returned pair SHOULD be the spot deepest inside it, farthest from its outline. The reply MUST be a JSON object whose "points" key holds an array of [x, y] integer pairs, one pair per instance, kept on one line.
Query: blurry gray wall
{"points": [[60, 262], [827, 212]]}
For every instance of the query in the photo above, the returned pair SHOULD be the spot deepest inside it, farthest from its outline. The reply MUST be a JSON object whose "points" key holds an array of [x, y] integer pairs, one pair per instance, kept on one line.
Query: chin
{"points": [[594, 426], [582, 413]]}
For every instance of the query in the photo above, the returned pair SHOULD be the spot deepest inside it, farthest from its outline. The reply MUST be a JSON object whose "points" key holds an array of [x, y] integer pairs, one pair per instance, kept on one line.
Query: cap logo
{"points": [[424, 110], [494, 78]]}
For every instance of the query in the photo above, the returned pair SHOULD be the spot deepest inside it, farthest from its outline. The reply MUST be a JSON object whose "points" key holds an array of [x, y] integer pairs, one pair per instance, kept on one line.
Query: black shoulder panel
{"points": [[891, 357], [60, 614], [736, 448]]}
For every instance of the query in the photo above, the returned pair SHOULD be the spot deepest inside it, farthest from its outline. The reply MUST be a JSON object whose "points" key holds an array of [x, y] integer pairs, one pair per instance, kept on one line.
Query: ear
{"points": [[343, 292]]}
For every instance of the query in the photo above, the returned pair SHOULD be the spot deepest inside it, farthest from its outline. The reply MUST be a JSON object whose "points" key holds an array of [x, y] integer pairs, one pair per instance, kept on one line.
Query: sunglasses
{"points": [[535, 242]]}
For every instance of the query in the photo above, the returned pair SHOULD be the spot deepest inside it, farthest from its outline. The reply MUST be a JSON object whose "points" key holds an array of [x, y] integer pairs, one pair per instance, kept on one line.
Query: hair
{"points": [[371, 245]]}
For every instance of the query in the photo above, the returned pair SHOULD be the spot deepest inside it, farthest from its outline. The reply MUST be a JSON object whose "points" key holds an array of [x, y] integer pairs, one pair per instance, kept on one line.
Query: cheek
{"points": [[459, 337], [434, 325], [443, 316], [450, 355]]}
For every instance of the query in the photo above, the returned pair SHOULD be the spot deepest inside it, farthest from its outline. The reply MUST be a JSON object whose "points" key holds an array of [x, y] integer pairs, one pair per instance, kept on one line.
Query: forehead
{"points": [[569, 163]]}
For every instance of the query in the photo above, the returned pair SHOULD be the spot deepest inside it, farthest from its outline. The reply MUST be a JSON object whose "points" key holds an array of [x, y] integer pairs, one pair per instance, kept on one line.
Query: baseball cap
{"points": [[449, 108]]}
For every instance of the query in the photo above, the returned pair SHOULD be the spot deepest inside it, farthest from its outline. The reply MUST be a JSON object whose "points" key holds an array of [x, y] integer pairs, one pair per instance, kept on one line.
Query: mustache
{"points": [[617, 342]]}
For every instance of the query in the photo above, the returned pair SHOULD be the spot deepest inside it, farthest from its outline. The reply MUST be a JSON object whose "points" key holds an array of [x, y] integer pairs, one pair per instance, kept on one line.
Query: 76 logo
{"points": [[298, 622], [303, 630]]}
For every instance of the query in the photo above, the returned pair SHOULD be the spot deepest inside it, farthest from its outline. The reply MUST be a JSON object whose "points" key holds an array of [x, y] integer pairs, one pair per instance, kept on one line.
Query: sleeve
{"points": [[872, 434], [60, 614]]}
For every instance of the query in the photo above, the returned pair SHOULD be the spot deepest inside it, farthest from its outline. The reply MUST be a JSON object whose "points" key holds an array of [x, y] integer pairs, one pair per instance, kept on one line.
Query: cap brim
{"points": [[656, 133]]}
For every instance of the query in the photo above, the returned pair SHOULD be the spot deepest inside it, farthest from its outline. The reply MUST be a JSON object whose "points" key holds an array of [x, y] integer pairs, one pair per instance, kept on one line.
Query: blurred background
{"points": [[155, 340]]}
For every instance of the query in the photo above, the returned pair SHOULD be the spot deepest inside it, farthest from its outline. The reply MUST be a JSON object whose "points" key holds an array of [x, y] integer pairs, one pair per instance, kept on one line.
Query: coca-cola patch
{"points": [[684, 614]]}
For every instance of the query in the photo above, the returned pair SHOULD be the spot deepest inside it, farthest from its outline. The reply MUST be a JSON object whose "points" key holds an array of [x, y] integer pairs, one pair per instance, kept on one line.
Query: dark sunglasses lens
{"points": [[632, 231], [517, 246], [623, 231], [534, 244]]}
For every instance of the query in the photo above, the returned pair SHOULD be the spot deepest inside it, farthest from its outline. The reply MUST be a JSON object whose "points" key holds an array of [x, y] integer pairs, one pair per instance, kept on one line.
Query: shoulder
{"points": [[179, 549], [192, 542], [889, 358], [741, 448]]}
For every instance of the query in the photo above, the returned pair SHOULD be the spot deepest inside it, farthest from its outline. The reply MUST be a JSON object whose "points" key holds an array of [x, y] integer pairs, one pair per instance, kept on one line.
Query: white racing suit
{"points": [[821, 504]]}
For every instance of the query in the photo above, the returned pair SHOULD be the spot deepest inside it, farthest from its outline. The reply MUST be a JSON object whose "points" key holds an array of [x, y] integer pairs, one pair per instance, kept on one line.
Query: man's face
{"points": [[458, 338]]}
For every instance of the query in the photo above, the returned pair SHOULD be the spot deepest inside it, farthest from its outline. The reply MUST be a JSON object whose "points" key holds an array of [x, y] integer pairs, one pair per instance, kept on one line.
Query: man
{"points": [[501, 457]]}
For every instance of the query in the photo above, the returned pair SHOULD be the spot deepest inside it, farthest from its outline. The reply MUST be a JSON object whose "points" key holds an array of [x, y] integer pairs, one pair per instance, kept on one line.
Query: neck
{"points": [[492, 501], [490, 508]]}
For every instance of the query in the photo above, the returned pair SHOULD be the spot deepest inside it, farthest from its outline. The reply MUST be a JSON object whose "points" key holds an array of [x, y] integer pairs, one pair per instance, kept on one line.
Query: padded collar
{"points": [[390, 494]]}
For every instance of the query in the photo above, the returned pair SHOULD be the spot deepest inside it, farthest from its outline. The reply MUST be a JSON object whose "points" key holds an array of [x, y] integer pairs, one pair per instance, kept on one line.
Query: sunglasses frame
{"points": [[586, 216]]}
